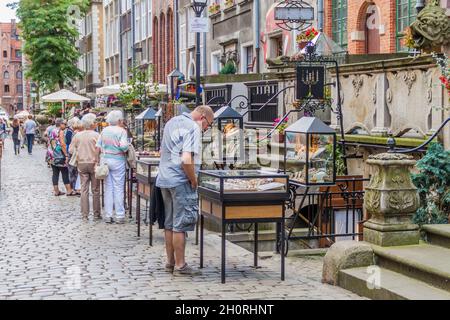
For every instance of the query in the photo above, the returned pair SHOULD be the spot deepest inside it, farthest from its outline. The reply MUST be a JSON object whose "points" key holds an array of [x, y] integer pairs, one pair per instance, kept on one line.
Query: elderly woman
{"points": [[72, 128], [113, 145], [84, 148]]}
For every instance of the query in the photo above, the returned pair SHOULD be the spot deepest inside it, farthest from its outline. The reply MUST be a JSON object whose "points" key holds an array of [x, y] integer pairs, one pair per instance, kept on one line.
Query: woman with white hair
{"points": [[113, 145], [84, 148], [73, 127]]}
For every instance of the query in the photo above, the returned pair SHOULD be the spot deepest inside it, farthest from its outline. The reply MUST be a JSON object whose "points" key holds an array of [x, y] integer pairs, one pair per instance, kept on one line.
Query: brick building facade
{"points": [[11, 74], [365, 27], [163, 39]]}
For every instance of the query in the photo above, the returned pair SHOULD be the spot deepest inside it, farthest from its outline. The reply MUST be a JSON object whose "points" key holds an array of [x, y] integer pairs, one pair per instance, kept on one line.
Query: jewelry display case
{"points": [[310, 148], [243, 196]]}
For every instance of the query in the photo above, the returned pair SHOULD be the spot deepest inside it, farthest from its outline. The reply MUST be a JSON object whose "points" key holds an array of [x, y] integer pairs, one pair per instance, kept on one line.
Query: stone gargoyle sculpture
{"points": [[431, 29]]}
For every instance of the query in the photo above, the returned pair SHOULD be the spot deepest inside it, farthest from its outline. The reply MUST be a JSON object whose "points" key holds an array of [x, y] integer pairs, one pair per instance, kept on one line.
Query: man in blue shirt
{"points": [[177, 178], [30, 131]]}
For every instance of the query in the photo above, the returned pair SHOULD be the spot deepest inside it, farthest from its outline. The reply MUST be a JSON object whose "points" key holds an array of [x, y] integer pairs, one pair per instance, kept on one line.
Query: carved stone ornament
{"points": [[374, 94], [357, 84], [391, 199], [389, 95], [431, 29], [409, 77]]}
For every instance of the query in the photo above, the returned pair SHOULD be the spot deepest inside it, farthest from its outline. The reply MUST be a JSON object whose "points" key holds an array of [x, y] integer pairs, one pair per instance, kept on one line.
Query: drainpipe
{"points": [[176, 35], [320, 15], [257, 15], [120, 44], [205, 58], [133, 33]]}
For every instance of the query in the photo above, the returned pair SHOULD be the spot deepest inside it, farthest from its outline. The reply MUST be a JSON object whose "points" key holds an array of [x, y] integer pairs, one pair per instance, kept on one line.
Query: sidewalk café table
{"points": [[146, 172], [242, 196]]}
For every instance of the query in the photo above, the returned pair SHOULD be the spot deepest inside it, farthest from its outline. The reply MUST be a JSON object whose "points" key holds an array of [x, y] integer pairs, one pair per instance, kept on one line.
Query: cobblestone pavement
{"points": [[48, 252]]}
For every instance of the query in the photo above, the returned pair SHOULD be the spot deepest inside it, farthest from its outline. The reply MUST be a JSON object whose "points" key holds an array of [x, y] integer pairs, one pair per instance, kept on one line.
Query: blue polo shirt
{"points": [[181, 134]]}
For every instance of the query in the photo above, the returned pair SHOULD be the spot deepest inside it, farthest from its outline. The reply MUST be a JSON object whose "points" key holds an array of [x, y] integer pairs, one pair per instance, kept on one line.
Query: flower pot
{"points": [[302, 44], [281, 138]]}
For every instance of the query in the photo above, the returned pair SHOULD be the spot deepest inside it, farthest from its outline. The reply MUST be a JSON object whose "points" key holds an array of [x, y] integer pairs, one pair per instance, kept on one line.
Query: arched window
{"points": [[162, 48], [19, 74], [170, 43], [6, 75], [155, 49]]}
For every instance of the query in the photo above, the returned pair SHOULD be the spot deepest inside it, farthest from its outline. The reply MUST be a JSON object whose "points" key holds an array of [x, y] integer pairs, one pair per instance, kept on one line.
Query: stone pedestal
{"points": [[391, 199]]}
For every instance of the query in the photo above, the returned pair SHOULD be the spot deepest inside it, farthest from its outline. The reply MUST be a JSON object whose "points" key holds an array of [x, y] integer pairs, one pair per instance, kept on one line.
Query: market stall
{"points": [[147, 130], [242, 196], [146, 172]]}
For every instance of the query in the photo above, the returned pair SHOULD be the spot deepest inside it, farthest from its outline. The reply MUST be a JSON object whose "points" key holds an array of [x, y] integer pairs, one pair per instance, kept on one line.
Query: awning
{"points": [[116, 88], [148, 114], [64, 95]]}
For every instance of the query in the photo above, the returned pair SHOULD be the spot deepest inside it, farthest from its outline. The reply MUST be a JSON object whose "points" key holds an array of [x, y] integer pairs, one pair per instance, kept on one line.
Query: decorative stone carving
{"points": [[374, 94], [409, 77], [391, 199], [431, 29], [357, 84], [389, 95]]}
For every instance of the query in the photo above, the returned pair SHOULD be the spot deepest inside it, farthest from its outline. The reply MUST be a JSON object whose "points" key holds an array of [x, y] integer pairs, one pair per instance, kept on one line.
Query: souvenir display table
{"points": [[242, 196], [146, 172]]}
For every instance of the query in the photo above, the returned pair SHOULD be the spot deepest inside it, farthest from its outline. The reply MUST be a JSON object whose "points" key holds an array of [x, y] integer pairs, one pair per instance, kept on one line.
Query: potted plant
{"points": [[305, 37], [280, 127], [229, 3], [214, 8]]}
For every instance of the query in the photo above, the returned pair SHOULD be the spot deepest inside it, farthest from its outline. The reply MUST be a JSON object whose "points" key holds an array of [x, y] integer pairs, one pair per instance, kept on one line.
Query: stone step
{"points": [[424, 262], [391, 285], [438, 234]]}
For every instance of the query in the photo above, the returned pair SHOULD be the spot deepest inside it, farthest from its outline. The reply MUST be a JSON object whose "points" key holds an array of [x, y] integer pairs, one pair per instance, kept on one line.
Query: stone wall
{"points": [[393, 96]]}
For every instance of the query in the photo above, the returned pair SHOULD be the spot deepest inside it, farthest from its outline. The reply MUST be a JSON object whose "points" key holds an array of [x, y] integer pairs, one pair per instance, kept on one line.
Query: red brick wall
{"points": [[9, 100], [356, 17], [163, 39]]}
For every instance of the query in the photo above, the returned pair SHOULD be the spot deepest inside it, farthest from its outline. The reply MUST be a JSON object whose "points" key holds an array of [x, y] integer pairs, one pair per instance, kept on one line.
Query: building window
{"points": [[5, 54], [18, 54], [19, 74], [276, 46], [6, 75], [248, 59], [6, 88], [19, 88], [339, 22], [406, 14], [215, 62]]}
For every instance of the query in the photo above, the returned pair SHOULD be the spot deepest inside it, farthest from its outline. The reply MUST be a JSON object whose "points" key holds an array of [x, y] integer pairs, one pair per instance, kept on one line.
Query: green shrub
{"points": [[228, 68], [433, 183]]}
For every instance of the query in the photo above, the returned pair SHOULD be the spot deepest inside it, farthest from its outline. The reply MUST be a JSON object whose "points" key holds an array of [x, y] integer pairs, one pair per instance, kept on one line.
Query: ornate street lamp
{"points": [[198, 6], [173, 78]]}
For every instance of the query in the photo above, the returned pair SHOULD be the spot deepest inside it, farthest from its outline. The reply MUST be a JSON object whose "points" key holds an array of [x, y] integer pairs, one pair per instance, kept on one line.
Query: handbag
{"points": [[131, 157], [74, 159], [102, 170]]}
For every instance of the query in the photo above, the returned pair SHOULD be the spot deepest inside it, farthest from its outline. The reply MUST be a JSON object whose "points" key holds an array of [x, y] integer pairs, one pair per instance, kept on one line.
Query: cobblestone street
{"points": [[48, 252]]}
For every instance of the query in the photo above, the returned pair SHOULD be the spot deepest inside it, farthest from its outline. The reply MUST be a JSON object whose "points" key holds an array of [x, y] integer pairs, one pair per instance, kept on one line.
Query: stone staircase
{"points": [[412, 272]]}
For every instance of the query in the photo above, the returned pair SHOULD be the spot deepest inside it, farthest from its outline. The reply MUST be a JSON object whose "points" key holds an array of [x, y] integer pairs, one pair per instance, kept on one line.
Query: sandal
{"points": [[72, 194], [59, 194]]}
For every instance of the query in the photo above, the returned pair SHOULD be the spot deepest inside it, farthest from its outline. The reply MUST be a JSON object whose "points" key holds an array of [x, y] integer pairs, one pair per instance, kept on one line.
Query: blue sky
{"points": [[5, 13]]}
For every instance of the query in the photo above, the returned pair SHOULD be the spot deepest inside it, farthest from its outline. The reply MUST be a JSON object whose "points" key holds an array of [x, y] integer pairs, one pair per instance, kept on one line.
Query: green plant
{"points": [[433, 183], [136, 92], [228, 68], [54, 109], [340, 165]]}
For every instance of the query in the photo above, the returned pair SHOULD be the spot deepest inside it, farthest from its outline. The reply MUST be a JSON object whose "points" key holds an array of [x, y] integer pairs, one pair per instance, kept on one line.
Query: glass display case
{"points": [[243, 185], [227, 133], [310, 148], [147, 170], [147, 129]]}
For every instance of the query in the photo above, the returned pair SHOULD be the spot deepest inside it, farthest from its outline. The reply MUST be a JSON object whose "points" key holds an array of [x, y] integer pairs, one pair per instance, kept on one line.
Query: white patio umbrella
{"points": [[116, 88], [64, 96]]}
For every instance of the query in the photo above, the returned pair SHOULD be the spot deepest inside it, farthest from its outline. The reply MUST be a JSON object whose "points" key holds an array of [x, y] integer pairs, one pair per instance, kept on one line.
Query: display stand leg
{"points": [[130, 194], [282, 249], [201, 241], [138, 215], [255, 249], [277, 236], [150, 227], [125, 197], [196, 232], [222, 270], [102, 185]]}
